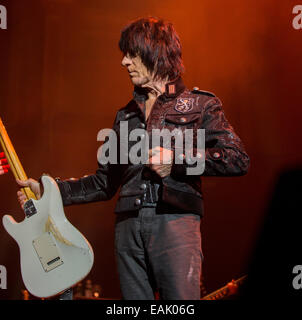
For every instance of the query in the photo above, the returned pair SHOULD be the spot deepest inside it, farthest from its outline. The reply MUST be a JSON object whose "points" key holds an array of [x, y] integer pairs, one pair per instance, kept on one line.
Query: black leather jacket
{"points": [[178, 192]]}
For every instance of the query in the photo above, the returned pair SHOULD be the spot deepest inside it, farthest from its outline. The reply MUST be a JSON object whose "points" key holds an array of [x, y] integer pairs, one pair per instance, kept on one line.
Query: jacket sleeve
{"points": [[224, 152], [100, 186]]}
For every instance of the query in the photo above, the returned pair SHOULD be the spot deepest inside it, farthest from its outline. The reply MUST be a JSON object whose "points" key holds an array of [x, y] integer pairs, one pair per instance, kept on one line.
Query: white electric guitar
{"points": [[54, 255]]}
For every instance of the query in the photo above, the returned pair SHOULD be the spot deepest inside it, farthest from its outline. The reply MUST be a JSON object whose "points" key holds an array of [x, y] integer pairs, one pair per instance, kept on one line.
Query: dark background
{"points": [[61, 81]]}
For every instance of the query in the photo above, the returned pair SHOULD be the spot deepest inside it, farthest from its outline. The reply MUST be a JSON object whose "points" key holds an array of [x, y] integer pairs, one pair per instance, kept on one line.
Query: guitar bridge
{"points": [[29, 208]]}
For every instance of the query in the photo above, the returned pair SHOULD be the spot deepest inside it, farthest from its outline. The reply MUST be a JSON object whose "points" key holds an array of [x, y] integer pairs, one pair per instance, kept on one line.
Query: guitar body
{"points": [[54, 255]]}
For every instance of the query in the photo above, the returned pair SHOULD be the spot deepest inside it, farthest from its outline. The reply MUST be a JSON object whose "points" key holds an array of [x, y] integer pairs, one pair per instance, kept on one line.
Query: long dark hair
{"points": [[157, 44]]}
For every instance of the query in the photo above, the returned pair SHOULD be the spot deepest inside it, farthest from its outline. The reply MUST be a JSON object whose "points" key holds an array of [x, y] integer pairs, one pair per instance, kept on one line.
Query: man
{"points": [[158, 212]]}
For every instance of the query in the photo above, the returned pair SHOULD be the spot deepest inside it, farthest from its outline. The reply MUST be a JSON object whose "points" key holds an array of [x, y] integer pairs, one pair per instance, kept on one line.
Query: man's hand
{"points": [[3, 164], [161, 160], [35, 187]]}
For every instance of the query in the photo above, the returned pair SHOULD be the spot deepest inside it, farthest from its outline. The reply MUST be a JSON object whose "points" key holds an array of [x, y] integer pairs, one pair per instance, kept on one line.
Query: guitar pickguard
{"points": [[47, 252]]}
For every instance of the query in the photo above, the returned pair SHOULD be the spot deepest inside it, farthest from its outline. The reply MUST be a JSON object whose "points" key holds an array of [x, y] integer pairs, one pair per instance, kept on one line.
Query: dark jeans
{"points": [[158, 252]]}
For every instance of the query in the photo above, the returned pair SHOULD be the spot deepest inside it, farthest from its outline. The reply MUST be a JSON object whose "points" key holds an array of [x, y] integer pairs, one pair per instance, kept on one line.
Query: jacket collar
{"points": [[172, 90]]}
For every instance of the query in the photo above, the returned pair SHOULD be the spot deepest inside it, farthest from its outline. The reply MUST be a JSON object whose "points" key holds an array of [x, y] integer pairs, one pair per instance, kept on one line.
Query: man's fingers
{"points": [[155, 156], [161, 170], [21, 195], [154, 151], [34, 185], [22, 201], [22, 204], [24, 183], [160, 160], [152, 161], [21, 198], [159, 155]]}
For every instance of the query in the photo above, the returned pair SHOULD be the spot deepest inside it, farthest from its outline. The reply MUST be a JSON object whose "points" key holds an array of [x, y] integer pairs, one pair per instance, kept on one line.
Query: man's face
{"points": [[138, 72]]}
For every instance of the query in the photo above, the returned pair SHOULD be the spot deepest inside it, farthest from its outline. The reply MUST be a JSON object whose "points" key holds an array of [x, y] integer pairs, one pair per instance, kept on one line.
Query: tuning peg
{"points": [[233, 287], [3, 161]]}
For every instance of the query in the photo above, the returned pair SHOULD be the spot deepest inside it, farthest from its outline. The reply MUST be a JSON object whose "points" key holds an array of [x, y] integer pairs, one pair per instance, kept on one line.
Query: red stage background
{"points": [[62, 81]]}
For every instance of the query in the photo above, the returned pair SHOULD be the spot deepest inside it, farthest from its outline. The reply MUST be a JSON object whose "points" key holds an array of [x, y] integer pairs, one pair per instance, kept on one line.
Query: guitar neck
{"points": [[13, 160], [225, 291]]}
